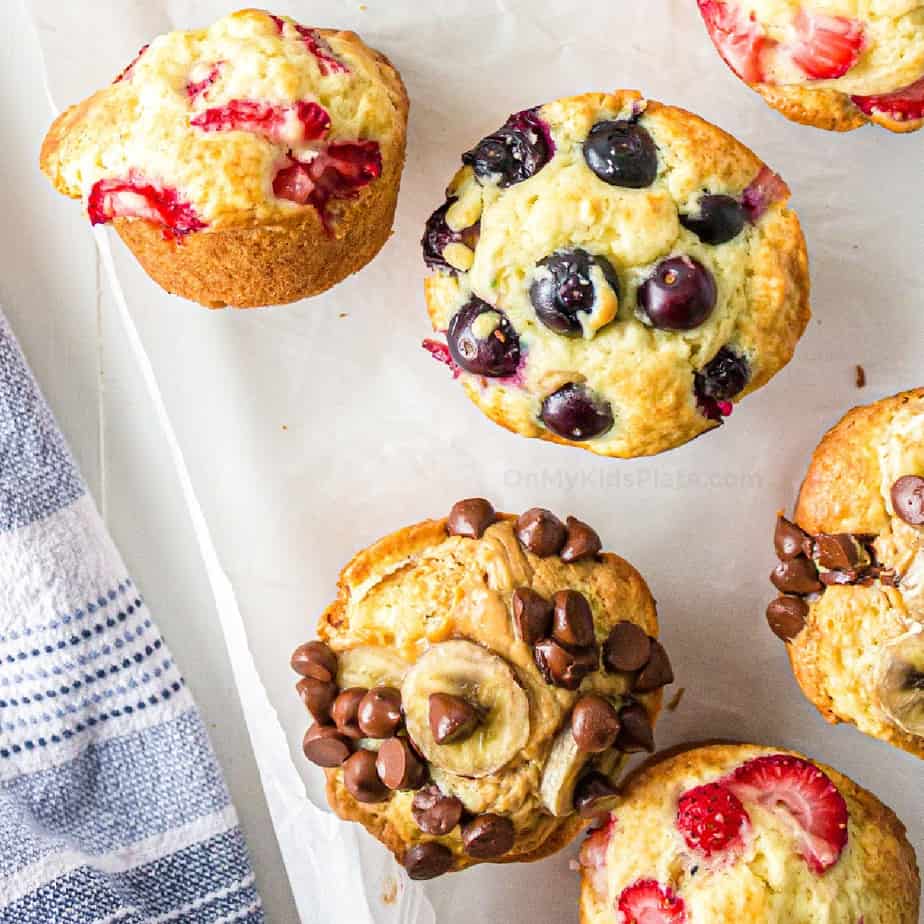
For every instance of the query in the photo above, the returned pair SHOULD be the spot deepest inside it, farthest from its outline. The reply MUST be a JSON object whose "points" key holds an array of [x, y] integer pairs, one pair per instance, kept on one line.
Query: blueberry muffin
{"points": [[612, 273], [251, 163], [736, 833], [477, 684], [837, 64], [851, 573]]}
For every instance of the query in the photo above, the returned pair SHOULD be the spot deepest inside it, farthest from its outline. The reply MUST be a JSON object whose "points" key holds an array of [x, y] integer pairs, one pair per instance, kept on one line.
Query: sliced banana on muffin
{"points": [[478, 684]]}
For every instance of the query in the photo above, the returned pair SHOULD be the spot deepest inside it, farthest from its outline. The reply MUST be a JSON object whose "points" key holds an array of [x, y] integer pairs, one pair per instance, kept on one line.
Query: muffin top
{"points": [[525, 666], [613, 273], [732, 833], [251, 120], [851, 572]]}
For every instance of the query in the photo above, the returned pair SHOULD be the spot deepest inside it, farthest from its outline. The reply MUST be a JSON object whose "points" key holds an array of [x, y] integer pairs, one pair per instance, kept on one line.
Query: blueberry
{"points": [[564, 287], [622, 154], [725, 376], [520, 148], [437, 235], [721, 219], [482, 341], [679, 296], [576, 413]]}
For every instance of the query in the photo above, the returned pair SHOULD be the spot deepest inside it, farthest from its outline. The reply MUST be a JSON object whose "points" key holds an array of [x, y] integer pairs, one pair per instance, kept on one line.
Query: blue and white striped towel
{"points": [[112, 805]]}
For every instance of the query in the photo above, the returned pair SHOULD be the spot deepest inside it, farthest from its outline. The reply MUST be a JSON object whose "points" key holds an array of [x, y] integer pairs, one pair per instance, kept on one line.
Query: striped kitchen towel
{"points": [[112, 805]]}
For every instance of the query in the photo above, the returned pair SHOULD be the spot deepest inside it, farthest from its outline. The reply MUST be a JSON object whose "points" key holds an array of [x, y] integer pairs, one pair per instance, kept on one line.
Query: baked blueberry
{"points": [[622, 153], [437, 234], [680, 295], [482, 341], [720, 220], [570, 287], [724, 377], [520, 148], [576, 413]]}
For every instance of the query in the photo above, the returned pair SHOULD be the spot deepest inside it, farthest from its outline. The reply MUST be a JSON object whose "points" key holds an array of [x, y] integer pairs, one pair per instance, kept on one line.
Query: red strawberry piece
{"points": [[827, 47], [300, 122], [196, 88], [440, 352], [905, 105], [592, 857], [649, 902], [798, 790], [127, 73], [766, 188], [711, 819], [738, 37], [328, 62], [136, 197]]}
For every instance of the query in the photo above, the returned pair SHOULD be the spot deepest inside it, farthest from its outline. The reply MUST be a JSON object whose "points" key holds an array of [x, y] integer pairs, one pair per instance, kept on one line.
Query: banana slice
{"points": [[901, 685], [561, 772], [465, 669], [370, 666]]}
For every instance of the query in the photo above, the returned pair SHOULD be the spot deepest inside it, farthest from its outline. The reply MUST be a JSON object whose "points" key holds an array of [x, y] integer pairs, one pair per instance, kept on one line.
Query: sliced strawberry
{"points": [[127, 73], [440, 352], [738, 37], [196, 88], [592, 857], [711, 819], [798, 790], [827, 47], [905, 105], [765, 189], [649, 902], [136, 197], [328, 62], [300, 122]]}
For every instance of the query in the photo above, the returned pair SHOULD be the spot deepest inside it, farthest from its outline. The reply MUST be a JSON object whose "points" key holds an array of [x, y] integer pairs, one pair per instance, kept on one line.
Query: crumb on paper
{"points": [[363, 8], [675, 700], [390, 890], [343, 314], [861, 376], [285, 426]]}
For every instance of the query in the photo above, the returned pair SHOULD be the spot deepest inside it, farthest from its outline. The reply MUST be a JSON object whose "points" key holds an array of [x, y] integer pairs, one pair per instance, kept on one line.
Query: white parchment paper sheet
{"points": [[302, 433]]}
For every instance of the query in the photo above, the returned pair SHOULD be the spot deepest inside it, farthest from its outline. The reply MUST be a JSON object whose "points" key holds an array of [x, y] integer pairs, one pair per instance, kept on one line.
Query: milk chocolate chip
{"points": [[789, 540], [532, 615], [796, 576], [838, 551], [635, 733], [397, 765], [594, 724], [379, 712], [488, 836], [315, 659], [318, 697], [452, 719], [325, 746], [580, 542], [345, 711], [362, 779], [594, 794], [428, 860], [786, 617], [573, 621], [908, 499], [434, 812], [470, 518], [627, 648], [541, 532], [562, 667], [657, 672]]}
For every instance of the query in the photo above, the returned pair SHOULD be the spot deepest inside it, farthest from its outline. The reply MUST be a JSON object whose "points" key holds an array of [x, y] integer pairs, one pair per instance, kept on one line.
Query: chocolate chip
{"points": [[829, 578], [657, 672], [470, 518], [318, 697], [345, 709], [362, 779], [786, 617], [796, 576], [580, 542], [594, 794], [594, 724], [487, 836], [435, 812], [379, 712], [532, 615], [908, 499], [325, 746], [636, 733], [788, 539], [838, 551], [428, 860], [627, 647], [452, 719], [562, 667], [397, 765], [541, 532], [315, 659], [573, 620]]}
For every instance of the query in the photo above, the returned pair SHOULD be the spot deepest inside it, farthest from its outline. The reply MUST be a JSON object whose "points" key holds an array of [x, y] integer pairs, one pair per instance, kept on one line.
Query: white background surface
{"points": [[308, 434]]}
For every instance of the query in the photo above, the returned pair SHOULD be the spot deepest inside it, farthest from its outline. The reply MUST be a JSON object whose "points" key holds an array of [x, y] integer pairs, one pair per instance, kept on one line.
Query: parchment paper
{"points": [[303, 433]]}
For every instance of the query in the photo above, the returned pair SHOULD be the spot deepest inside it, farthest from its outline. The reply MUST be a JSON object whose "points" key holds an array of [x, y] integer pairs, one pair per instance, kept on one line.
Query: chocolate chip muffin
{"points": [[251, 163], [737, 833], [851, 573], [613, 273], [837, 64], [477, 685]]}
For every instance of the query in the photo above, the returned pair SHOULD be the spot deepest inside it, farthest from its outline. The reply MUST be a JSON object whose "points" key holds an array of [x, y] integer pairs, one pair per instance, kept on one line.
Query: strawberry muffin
{"points": [[614, 274], [836, 64], [737, 833], [851, 573], [477, 685], [251, 163]]}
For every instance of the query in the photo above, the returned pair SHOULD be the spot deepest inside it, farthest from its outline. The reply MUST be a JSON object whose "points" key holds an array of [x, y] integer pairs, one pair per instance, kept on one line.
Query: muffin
{"points": [[477, 684], [836, 64], [614, 274], [735, 832], [252, 163], [851, 573]]}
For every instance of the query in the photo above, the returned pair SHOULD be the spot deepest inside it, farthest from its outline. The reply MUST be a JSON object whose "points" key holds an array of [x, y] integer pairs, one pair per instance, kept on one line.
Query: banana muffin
{"points": [[851, 573], [613, 273], [837, 64], [734, 833], [477, 685], [251, 163]]}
